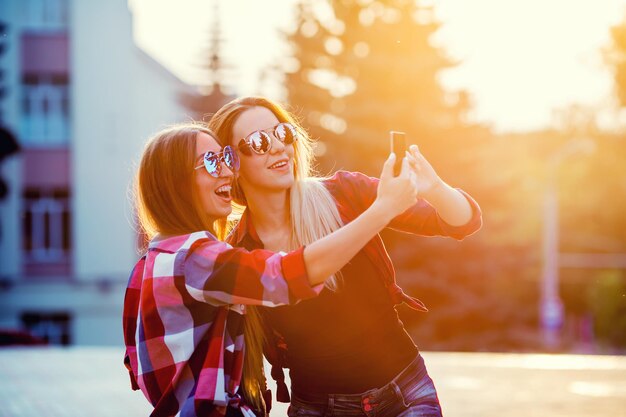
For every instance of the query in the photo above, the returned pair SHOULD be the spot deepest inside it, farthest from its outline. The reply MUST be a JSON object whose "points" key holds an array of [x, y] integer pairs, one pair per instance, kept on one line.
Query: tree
{"points": [[368, 68], [364, 68], [616, 58], [211, 95]]}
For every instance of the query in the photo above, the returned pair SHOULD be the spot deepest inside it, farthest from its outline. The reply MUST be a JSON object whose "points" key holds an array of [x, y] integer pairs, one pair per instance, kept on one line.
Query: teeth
{"points": [[278, 164], [224, 190]]}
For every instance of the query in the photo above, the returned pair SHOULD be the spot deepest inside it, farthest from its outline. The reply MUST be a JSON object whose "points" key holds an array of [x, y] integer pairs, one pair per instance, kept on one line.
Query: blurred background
{"points": [[519, 103]]}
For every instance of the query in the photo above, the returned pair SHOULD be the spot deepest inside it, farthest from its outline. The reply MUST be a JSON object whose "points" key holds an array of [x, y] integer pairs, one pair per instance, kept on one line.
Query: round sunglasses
{"points": [[212, 161], [260, 141]]}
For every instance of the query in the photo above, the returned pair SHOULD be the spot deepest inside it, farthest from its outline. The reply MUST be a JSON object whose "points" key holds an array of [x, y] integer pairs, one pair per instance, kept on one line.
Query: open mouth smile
{"points": [[224, 192]]}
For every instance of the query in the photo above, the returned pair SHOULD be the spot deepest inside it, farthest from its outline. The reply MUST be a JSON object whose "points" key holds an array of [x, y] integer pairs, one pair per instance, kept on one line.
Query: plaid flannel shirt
{"points": [[354, 192], [183, 318]]}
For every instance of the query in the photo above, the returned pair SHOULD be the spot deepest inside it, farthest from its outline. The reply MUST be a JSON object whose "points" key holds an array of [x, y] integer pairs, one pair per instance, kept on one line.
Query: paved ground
{"points": [[92, 382]]}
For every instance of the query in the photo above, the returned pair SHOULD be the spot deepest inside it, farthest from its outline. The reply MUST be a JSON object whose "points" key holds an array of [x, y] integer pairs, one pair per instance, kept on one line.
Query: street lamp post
{"points": [[551, 307]]}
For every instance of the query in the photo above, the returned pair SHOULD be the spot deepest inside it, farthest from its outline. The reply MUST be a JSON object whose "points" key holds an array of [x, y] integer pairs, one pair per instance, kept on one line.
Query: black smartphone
{"points": [[398, 146]]}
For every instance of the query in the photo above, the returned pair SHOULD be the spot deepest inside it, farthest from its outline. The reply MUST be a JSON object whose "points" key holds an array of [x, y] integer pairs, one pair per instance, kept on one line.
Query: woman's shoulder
{"points": [[347, 179], [351, 185], [177, 243]]}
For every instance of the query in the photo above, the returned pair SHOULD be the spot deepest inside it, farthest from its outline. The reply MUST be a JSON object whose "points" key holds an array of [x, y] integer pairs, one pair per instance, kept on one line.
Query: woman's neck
{"points": [[271, 218]]}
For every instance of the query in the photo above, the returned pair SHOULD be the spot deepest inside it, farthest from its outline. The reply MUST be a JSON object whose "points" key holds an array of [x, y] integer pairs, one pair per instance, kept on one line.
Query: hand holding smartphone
{"points": [[398, 146]]}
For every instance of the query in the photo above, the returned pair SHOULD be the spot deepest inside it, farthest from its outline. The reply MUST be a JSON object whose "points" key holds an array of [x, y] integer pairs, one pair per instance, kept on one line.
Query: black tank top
{"points": [[345, 341]]}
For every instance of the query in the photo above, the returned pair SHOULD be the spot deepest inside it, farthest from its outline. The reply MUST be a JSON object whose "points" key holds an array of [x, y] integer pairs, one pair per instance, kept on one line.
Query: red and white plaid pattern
{"points": [[183, 318]]}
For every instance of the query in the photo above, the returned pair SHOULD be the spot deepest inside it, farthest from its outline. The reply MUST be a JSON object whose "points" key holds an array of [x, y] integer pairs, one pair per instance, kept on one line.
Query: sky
{"points": [[521, 60]]}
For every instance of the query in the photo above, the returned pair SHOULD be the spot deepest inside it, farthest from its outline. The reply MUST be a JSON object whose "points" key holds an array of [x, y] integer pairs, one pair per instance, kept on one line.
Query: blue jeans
{"points": [[410, 394]]}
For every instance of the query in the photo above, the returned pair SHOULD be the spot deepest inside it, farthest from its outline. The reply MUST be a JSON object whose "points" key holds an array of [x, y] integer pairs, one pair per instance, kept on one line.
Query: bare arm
{"points": [[451, 205]]}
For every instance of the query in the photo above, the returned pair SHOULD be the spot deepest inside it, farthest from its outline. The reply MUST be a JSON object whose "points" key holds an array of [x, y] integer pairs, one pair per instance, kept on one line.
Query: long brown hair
{"points": [[313, 211], [165, 200], [167, 204]]}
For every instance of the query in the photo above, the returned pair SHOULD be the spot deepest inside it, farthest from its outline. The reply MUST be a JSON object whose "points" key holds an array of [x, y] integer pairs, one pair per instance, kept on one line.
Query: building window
{"points": [[46, 228], [45, 110], [53, 328], [45, 14]]}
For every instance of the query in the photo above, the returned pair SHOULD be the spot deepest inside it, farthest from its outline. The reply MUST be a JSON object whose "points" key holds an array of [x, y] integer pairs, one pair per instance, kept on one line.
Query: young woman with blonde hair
{"points": [[184, 309], [347, 350]]}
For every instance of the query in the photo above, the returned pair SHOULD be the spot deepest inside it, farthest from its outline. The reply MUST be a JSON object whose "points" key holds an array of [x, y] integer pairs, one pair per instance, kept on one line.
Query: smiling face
{"points": [[272, 171], [214, 193]]}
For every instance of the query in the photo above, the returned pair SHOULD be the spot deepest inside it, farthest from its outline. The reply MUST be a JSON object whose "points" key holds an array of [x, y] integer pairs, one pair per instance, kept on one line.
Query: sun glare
{"points": [[520, 60]]}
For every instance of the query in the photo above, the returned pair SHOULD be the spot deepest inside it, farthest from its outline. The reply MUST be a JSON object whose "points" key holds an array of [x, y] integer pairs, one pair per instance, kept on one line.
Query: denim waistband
{"points": [[415, 369]]}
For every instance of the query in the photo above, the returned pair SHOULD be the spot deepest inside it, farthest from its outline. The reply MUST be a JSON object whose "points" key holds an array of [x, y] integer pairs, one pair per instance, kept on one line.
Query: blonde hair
{"points": [[165, 200], [313, 210]]}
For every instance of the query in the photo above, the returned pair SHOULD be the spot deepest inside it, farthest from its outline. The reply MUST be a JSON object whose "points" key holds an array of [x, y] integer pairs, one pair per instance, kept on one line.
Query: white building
{"points": [[82, 99]]}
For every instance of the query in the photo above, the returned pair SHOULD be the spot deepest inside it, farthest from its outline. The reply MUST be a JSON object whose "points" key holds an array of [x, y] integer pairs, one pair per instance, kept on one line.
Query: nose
{"points": [[278, 145], [226, 172]]}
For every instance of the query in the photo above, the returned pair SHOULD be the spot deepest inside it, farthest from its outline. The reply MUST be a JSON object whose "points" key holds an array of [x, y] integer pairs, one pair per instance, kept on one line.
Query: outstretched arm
{"points": [[356, 192], [394, 195], [217, 273]]}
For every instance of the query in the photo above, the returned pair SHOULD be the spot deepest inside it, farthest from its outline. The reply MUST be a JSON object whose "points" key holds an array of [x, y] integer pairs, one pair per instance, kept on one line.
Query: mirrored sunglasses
{"points": [[212, 161], [260, 141]]}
